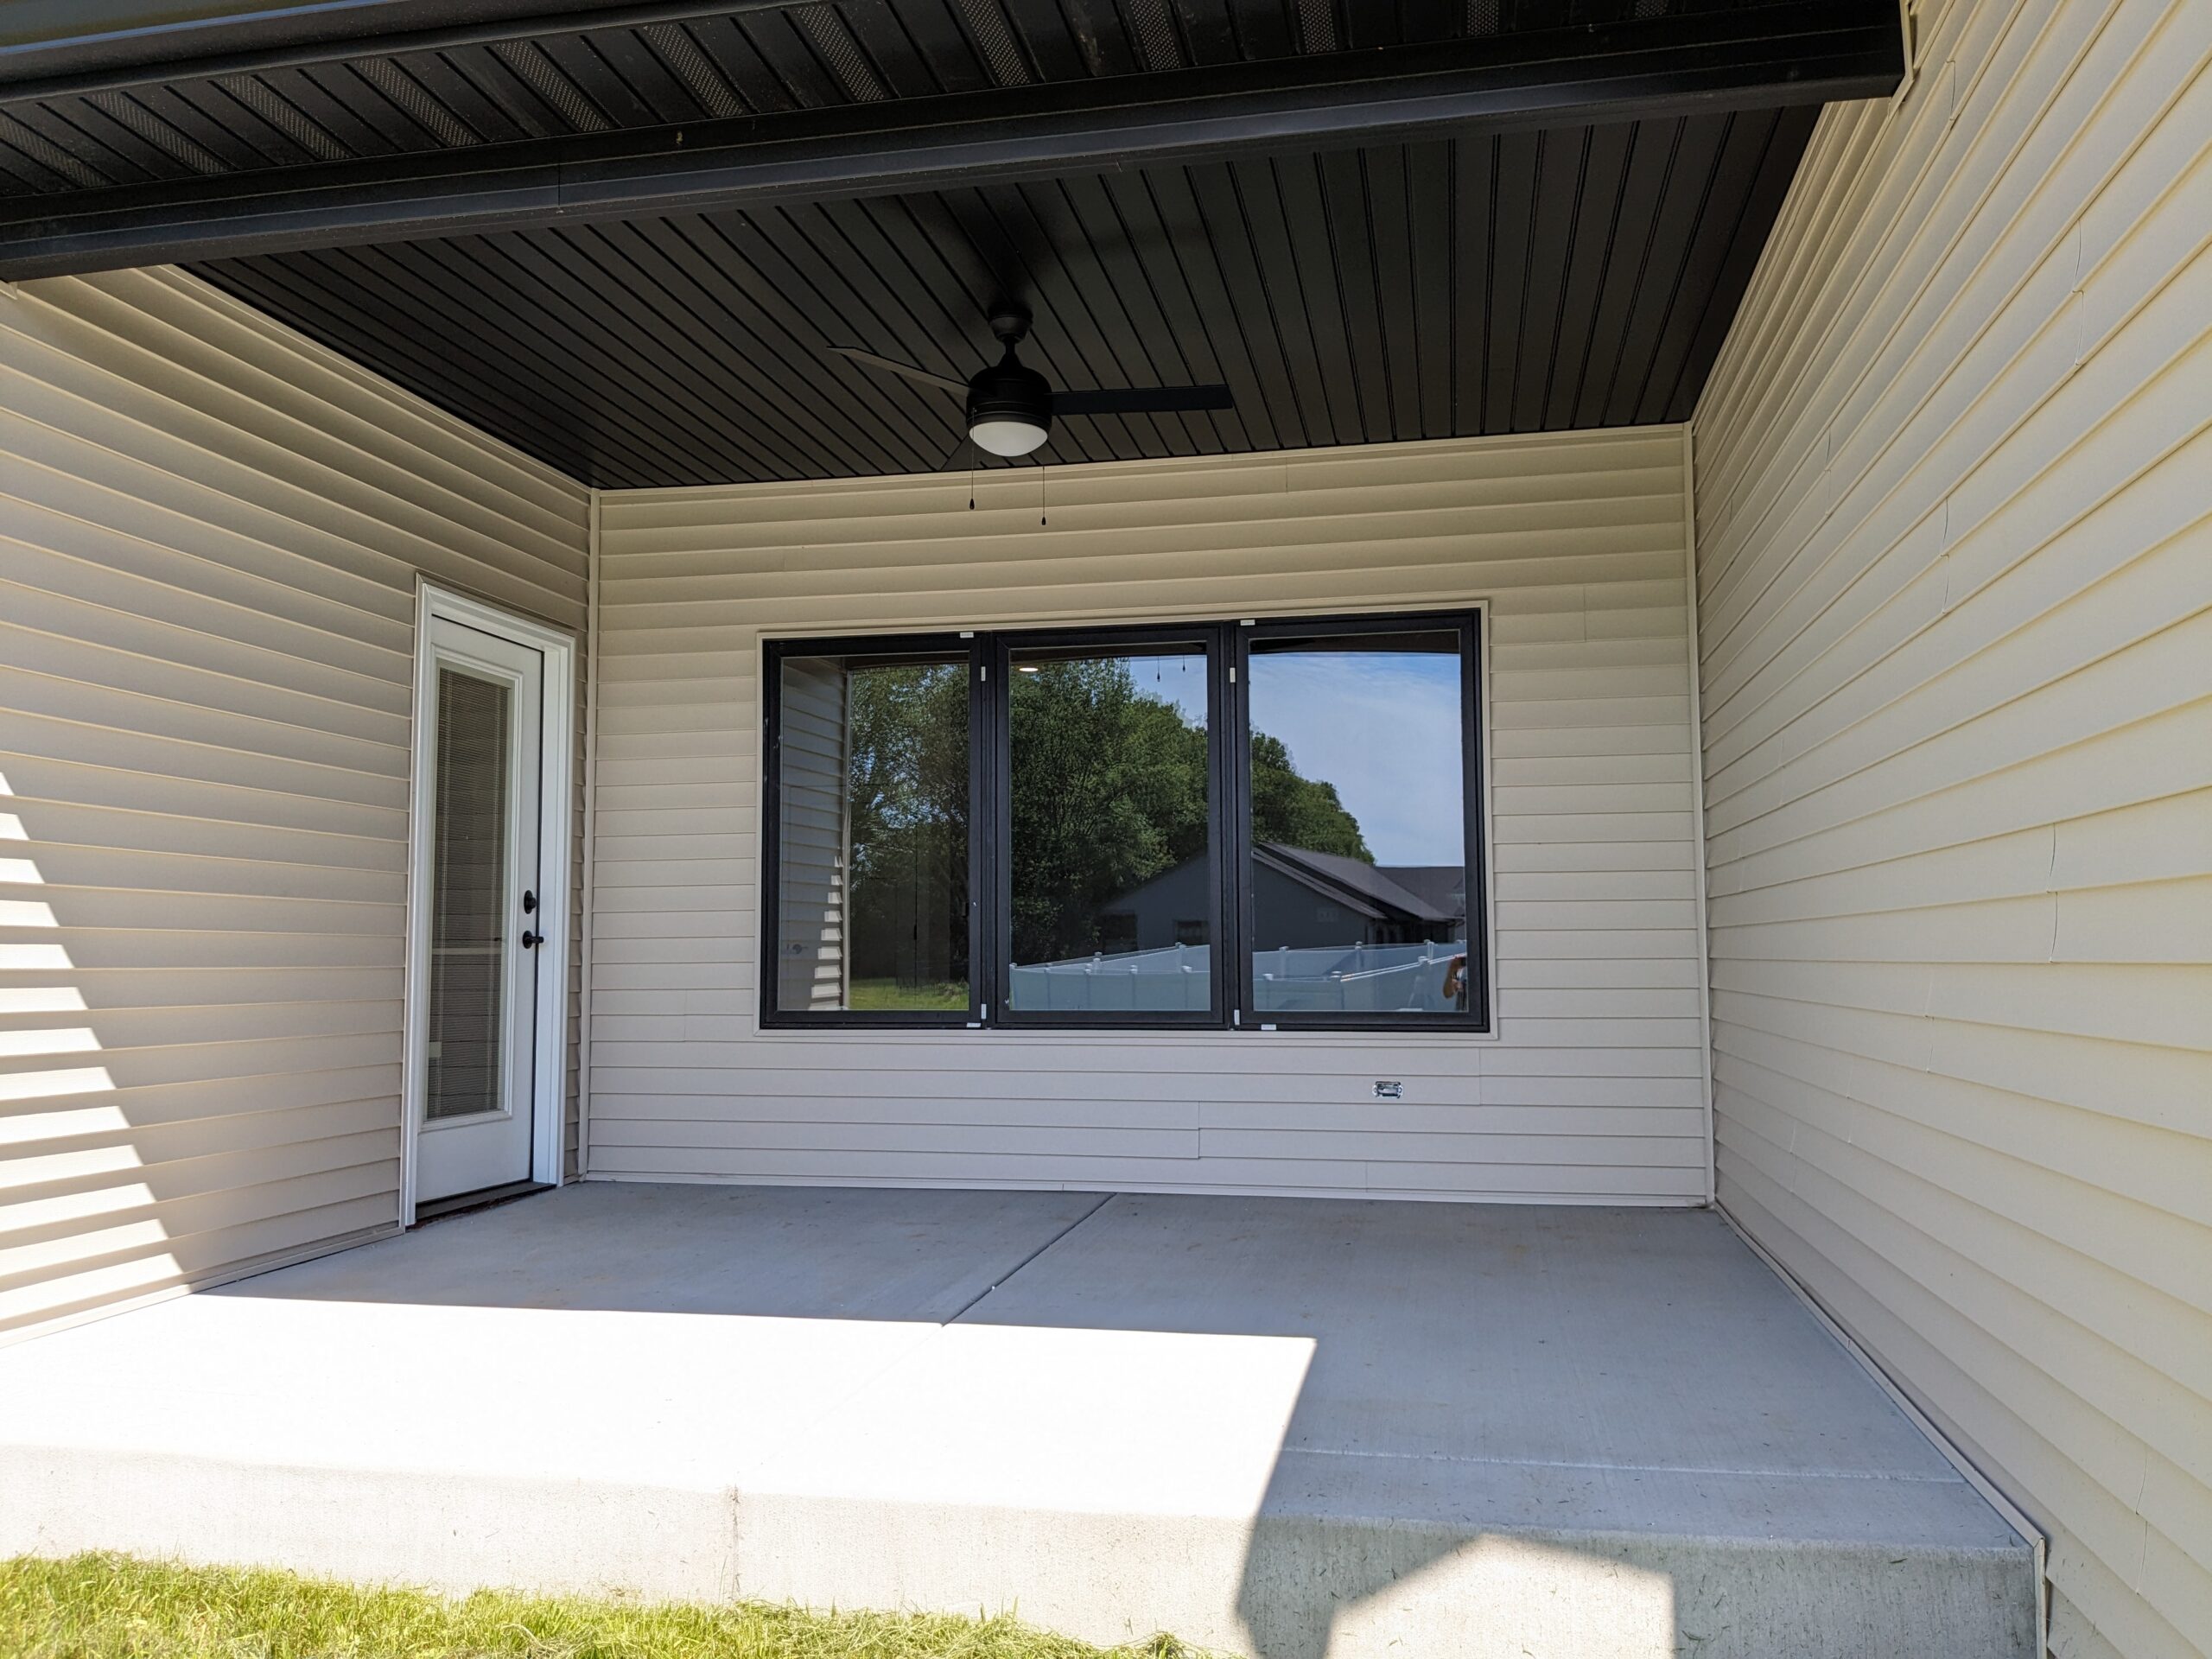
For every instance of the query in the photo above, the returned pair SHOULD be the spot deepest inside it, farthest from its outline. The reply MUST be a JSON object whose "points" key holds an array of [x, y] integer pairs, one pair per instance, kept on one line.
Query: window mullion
{"points": [[980, 863], [1233, 818]]}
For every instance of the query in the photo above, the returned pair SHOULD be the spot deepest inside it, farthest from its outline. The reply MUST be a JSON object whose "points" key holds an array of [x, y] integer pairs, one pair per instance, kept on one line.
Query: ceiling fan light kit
{"points": [[1010, 406], [1006, 437]]}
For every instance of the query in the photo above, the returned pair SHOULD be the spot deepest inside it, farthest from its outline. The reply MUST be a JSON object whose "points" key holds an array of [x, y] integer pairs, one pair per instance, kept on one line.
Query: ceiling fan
{"points": [[1011, 407]]}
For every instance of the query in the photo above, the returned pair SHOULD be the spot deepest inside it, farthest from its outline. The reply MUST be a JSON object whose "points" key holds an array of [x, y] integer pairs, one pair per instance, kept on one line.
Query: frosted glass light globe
{"points": [[1004, 437]]}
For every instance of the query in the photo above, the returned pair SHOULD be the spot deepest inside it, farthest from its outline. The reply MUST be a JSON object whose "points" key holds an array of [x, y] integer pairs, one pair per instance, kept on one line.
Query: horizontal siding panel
{"points": [[2089, 1223], [2167, 1084], [215, 530], [301, 1176], [870, 1139], [162, 874], [186, 1259], [98, 1110], [143, 767], [1954, 564], [122, 1029], [2121, 1002], [305, 665], [104, 1177], [1578, 545], [1611, 1148]]}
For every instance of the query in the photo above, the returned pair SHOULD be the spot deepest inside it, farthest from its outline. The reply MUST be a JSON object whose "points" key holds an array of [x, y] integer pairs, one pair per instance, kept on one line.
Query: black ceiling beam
{"points": [[1760, 57], [124, 58]]}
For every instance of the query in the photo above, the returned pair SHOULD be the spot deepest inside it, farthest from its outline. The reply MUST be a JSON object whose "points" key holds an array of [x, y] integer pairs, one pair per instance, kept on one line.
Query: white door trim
{"points": [[547, 1103]]}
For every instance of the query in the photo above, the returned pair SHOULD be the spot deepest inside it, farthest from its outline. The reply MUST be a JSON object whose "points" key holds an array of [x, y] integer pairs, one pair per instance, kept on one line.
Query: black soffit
{"points": [[1535, 282], [99, 99], [1530, 277]]}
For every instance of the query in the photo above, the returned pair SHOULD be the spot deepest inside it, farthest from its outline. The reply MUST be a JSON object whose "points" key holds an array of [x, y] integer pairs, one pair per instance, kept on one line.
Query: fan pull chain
{"points": [[1042, 519]]}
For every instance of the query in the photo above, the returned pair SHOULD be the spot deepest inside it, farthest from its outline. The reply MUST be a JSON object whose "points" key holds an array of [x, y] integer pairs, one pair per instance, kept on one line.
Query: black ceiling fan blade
{"points": [[1142, 400], [869, 360]]}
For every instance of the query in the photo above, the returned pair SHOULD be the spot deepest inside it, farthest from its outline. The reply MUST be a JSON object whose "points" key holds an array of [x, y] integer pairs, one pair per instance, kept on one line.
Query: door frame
{"points": [[556, 829]]}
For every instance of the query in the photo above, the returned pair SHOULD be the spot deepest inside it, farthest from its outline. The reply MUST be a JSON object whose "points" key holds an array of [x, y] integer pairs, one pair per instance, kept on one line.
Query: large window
{"points": [[872, 801], [1266, 825]]}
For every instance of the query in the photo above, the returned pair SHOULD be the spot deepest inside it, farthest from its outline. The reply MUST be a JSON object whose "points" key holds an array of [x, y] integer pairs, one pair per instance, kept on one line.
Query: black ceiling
{"points": [[69, 120], [1374, 219], [1526, 282]]}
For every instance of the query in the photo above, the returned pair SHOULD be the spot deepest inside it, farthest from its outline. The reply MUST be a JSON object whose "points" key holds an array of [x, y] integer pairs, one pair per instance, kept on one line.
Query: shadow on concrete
{"points": [[765, 1252], [1609, 1428]]}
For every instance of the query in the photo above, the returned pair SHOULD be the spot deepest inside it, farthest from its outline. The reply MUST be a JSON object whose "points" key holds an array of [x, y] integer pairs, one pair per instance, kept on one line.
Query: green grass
{"points": [[879, 995], [112, 1607]]}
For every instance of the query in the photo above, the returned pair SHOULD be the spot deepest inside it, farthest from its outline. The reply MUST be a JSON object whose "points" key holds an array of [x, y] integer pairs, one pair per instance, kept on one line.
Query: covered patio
{"points": [[1374, 828], [1279, 1428]]}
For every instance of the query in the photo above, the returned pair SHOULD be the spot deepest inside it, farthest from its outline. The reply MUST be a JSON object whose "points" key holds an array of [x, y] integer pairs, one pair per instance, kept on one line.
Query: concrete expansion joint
{"points": [[999, 1283]]}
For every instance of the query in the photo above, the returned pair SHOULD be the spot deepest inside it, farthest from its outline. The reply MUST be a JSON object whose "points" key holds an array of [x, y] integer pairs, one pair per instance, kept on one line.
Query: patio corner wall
{"points": [[210, 535], [1954, 487], [1594, 1091]]}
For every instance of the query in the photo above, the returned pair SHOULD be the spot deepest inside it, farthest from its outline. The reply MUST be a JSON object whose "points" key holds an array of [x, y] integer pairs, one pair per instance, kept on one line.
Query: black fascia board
{"points": [[1763, 57], [73, 48]]}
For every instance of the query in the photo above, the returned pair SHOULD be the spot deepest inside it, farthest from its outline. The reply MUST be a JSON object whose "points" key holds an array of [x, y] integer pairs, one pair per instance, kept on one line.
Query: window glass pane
{"points": [[1358, 861], [1112, 889], [469, 936], [872, 830]]}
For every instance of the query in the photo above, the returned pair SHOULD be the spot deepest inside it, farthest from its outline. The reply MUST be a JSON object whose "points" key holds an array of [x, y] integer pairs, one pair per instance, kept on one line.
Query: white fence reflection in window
{"points": [[1130, 981], [1312, 979], [1362, 978]]}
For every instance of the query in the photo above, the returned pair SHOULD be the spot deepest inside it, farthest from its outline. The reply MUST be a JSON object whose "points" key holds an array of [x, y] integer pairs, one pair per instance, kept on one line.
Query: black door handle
{"points": [[531, 941]]}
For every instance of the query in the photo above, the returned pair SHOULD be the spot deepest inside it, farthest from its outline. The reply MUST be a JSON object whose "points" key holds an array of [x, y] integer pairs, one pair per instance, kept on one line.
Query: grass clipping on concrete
{"points": [[113, 1607]]}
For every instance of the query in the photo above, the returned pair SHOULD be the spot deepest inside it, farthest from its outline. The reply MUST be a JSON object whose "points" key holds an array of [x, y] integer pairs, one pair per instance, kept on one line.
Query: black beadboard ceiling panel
{"points": [[480, 82], [1528, 281], [1425, 286]]}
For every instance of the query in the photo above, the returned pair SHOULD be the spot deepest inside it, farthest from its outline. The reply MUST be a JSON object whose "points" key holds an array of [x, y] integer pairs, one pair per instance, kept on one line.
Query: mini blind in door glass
{"points": [[469, 895]]}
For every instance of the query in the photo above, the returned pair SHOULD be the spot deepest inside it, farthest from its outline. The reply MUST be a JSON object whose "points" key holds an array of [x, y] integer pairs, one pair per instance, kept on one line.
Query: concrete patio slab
{"points": [[1288, 1429]]}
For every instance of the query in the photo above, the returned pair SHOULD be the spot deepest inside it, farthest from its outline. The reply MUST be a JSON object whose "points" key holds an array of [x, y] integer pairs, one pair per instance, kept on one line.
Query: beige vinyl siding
{"points": [[1954, 487], [1576, 544], [210, 536]]}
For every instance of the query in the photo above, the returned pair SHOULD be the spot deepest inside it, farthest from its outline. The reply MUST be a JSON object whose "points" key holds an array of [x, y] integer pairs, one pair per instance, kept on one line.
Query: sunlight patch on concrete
{"points": [[1065, 1419]]}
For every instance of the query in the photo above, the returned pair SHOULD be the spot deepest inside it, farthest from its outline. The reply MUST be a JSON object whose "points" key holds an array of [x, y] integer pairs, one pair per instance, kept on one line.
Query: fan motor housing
{"points": [[1008, 391]]}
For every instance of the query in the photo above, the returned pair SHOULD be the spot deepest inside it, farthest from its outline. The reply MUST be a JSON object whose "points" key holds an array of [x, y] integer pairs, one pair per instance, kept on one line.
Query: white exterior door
{"points": [[482, 814]]}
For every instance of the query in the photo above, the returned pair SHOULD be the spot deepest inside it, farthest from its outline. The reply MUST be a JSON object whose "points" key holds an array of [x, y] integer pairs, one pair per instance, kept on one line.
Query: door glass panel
{"points": [[1359, 859], [469, 935], [871, 834], [1112, 887]]}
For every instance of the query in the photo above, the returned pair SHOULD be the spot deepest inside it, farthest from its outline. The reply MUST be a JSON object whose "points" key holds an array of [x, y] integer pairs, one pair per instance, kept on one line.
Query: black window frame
{"points": [[1228, 645], [1000, 762], [1475, 1018], [774, 653]]}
